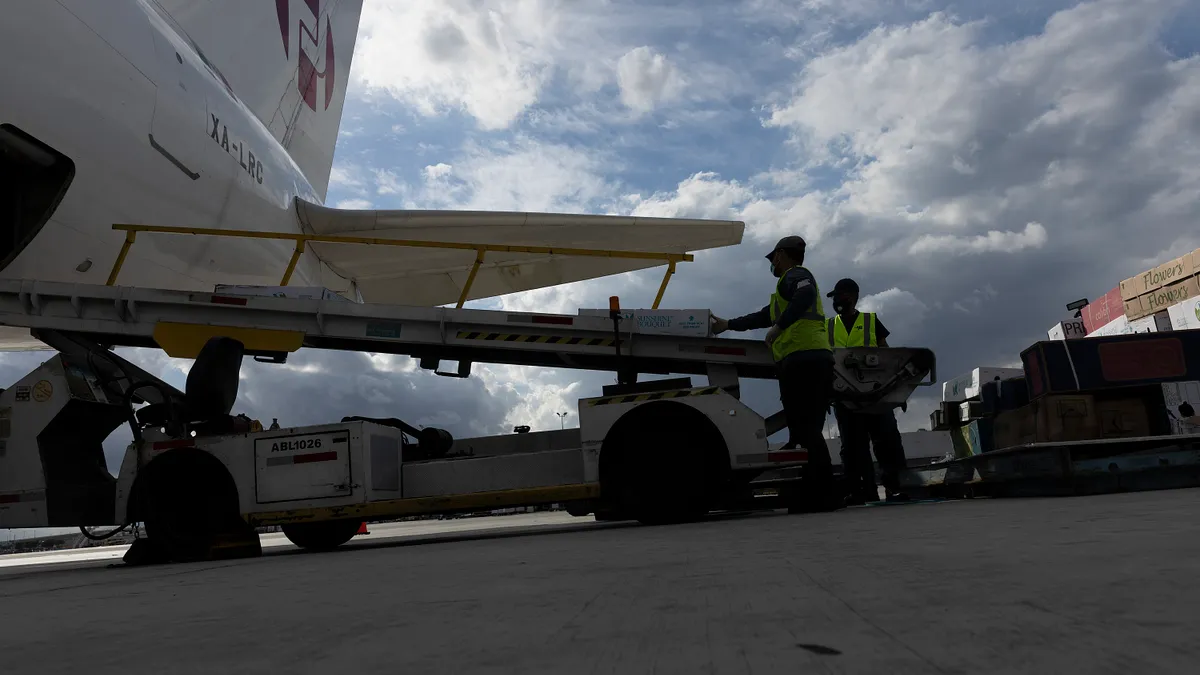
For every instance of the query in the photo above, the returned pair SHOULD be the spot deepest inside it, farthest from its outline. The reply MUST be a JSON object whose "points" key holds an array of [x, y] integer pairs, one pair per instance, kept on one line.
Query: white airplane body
{"points": [[224, 114]]}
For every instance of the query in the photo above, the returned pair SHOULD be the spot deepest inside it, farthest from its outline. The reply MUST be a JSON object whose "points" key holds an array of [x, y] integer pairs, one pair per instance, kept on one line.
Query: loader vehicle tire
{"points": [[663, 463], [322, 535], [189, 504]]}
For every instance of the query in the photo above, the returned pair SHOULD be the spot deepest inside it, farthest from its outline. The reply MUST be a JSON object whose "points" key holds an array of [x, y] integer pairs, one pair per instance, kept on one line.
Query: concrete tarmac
{"points": [[378, 532], [1082, 585]]}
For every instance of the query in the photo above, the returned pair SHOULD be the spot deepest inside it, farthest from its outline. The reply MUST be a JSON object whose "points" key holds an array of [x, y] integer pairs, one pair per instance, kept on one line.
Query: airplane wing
{"points": [[436, 276]]}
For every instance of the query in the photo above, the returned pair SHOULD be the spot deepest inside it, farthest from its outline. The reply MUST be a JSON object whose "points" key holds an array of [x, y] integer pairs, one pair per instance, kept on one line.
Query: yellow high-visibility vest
{"points": [[862, 334], [807, 333]]}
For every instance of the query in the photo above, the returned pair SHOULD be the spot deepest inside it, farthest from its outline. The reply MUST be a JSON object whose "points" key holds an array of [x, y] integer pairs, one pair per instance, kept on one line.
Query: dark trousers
{"points": [[860, 432], [805, 383]]}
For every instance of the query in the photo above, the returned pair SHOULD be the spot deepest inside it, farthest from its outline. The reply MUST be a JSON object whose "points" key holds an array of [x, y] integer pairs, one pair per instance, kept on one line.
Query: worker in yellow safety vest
{"points": [[795, 319], [860, 431]]}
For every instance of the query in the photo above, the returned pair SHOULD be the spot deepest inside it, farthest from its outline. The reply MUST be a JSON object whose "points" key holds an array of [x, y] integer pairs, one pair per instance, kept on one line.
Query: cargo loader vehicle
{"points": [[200, 477]]}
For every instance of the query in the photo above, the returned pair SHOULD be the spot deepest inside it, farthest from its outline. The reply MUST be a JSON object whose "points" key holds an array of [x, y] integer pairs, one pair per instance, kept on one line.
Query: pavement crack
{"points": [[574, 617]]}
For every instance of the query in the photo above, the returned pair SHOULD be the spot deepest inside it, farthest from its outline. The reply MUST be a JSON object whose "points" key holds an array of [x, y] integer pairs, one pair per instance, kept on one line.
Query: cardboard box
{"points": [[1000, 395], [1162, 298], [1072, 417], [1104, 310], [1184, 419], [294, 292], [1146, 324], [1056, 418], [1185, 315], [1123, 418], [973, 439], [1166, 274], [1118, 326], [1067, 330], [1162, 320], [684, 322], [969, 386]]}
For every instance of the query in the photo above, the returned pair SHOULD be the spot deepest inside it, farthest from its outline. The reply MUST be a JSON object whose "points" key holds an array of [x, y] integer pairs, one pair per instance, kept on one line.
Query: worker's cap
{"points": [[792, 242], [843, 286]]}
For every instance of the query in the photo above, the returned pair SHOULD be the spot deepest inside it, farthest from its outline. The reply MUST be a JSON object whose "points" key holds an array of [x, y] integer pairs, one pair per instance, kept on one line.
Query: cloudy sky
{"points": [[973, 165]]}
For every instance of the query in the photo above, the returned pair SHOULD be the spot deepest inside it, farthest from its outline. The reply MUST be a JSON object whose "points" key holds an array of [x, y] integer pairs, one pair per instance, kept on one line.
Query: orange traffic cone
{"points": [[362, 529]]}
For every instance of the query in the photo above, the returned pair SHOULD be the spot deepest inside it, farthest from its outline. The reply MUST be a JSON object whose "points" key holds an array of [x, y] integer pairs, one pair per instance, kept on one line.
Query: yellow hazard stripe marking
{"points": [[418, 505], [538, 339], [654, 396]]}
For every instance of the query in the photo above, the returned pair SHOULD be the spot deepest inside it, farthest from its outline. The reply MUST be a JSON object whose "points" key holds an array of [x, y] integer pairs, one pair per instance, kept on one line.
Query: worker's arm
{"points": [[751, 321], [881, 333], [799, 288]]}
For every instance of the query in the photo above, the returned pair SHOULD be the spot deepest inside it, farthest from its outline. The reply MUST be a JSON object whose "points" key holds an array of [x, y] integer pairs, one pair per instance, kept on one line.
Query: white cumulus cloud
{"points": [[1033, 236], [647, 78]]}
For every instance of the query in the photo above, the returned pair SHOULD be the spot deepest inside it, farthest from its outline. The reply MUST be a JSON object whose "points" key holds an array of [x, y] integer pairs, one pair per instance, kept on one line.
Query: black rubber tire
{"points": [[579, 510], [322, 535], [185, 520], [664, 488]]}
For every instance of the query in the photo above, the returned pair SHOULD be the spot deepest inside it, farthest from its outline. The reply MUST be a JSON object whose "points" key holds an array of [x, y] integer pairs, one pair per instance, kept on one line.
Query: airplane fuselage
{"points": [[156, 138], [224, 115]]}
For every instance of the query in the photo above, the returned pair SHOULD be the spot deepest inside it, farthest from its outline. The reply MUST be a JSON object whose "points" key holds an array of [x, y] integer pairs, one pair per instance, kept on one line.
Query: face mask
{"points": [[775, 271], [839, 307]]}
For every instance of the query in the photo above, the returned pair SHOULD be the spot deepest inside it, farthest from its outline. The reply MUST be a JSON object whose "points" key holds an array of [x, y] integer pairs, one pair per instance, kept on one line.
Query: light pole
{"points": [[562, 419]]}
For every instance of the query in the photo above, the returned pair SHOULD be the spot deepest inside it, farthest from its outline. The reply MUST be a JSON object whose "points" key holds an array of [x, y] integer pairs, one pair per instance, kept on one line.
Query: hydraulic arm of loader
{"points": [[873, 379]]}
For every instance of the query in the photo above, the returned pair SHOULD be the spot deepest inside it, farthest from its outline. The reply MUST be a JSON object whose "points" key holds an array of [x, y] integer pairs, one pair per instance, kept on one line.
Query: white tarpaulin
{"points": [[432, 276]]}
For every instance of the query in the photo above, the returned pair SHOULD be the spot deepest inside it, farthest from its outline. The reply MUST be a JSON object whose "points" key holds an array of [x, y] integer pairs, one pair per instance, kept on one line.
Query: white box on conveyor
{"points": [[682, 322], [294, 292], [1185, 315], [969, 386]]}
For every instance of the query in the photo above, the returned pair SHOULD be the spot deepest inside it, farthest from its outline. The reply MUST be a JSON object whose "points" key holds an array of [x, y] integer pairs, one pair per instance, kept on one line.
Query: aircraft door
{"points": [[179, 130]]}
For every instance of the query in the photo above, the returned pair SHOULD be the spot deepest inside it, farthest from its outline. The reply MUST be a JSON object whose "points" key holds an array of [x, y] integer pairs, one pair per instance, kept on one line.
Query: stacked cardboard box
{"points": [[968, 402], [1182, 400], [1185, 315], [1071, 417], [1156, 290], [1068, 329], [970, 385], [1105, 310]]}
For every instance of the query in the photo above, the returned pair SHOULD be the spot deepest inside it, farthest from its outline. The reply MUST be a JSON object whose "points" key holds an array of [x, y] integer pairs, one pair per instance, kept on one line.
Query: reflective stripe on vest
{"points": [[807, 333], [862, 334]]}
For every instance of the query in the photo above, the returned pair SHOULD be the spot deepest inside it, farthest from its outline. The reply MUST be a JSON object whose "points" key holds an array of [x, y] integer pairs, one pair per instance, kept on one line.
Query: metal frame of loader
{"points": [[657, 451]]}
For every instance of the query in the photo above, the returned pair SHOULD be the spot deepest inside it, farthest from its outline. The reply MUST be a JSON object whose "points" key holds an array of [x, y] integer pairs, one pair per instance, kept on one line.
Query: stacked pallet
{"points": [[1076, 390], [970, 401]]}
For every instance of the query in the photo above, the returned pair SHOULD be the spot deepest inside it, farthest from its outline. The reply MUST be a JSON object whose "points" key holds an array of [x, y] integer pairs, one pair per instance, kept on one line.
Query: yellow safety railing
{"points": [[481, 250]]}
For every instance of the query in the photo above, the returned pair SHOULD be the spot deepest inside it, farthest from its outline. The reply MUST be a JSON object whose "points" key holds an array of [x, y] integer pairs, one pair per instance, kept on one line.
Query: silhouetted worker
{"points": [[860, 431], [804, 361]]}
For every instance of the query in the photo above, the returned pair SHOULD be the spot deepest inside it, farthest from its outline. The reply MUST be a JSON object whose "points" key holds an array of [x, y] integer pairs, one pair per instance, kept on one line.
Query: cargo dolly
{"points": [[200, 478]]}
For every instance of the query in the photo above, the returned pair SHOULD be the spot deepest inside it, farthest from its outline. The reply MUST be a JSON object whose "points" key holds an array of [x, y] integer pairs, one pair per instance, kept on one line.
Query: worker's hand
{"points": [[719, 325], [773, 335]]}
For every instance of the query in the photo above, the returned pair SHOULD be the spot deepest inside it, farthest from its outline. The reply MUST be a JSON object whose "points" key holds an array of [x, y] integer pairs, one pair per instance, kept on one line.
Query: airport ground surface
{"points": [[1082, 585]]}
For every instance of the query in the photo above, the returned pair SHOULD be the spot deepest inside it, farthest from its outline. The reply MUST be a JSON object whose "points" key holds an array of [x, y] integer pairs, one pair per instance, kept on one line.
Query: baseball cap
{"points": [[846, 285], [787, 243]]}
